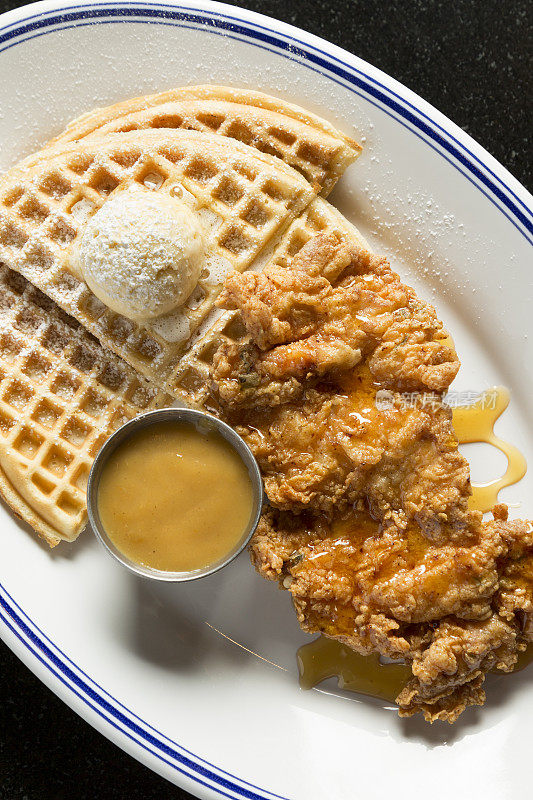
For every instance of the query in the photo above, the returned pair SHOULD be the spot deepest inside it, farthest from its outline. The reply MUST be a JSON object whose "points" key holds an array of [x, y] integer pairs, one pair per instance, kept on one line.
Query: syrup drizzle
{"points": [[325, 658], [475, 423]]}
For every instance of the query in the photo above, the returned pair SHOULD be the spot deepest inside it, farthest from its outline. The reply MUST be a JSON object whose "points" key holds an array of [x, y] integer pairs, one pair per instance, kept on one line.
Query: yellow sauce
{"points": [[174, 498], [475, 423]]}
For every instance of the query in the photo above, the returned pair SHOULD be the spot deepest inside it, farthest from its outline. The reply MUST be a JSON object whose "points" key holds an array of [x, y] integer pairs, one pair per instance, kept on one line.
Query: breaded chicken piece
{"points": [[325, 450], [339, 393], [440, 608], [329, 335], [337, 296], [450, 671], [515, 591]]}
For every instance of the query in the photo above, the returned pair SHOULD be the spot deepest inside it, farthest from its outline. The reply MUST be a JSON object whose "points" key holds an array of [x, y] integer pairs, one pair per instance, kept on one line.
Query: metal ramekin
{"points": [[201, 421]]}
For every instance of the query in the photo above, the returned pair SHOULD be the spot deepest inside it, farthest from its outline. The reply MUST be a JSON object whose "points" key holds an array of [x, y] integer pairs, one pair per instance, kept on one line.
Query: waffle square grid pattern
{"points": [[319, 157], [243, 203], [192, 383], [61, 396]]}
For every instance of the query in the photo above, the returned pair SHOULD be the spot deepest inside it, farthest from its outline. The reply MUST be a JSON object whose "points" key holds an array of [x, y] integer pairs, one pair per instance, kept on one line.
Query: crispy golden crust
{"points": [[329, 334], [440, 607], [339, 393]]}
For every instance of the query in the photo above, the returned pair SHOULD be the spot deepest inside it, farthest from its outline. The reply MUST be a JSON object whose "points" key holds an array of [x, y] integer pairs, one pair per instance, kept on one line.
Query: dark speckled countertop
{"points": [[469, 58]]}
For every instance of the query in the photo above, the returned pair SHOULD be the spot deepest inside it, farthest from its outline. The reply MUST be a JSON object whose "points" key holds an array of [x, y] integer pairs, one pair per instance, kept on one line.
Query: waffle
{"points": [[304, 141], [244, 197], [192, 383], [61, 395]]}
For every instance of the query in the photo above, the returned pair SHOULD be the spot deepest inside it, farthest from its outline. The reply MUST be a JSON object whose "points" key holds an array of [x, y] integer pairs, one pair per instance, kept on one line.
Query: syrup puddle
{"points": [[325, 658], [475, 423]]}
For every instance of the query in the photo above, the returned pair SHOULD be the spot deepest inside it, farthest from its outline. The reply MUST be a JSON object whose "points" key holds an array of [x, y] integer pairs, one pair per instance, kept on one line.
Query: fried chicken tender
{"points": [[338, 297], [515, 591], [449, 672], [339, 390], [443, 608], [328, 335], [325, 450]]}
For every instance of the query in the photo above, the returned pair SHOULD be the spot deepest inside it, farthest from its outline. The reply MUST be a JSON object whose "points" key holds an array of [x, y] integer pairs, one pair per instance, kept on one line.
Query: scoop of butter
{"points": [[141, 253]]}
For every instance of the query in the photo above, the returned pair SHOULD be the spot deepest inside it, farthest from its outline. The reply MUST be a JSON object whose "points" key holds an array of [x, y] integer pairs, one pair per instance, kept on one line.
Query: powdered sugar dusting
{"points": [[217, 268], [173, 327]]}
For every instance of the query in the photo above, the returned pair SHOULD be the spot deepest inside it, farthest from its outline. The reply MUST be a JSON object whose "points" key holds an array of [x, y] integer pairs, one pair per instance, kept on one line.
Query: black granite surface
{"points": [[472, 60]]}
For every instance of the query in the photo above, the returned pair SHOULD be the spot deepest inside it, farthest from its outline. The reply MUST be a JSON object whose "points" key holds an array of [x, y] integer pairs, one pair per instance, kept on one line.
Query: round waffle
{"points": [[245, 199], [303, 140], [61, 395]]}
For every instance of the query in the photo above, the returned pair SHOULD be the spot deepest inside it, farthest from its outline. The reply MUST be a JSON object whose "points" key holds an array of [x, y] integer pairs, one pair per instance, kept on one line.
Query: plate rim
{"points": [[21, 634], [391, 89]]}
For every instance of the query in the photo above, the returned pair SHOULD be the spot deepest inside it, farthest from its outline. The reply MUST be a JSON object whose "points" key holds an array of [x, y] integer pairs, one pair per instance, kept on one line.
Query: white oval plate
{"points": [[170, 673]]}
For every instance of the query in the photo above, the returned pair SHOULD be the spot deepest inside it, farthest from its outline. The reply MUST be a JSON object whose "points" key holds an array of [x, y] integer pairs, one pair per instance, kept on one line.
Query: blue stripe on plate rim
{"points": [[362, 84], [417, 121], [115, 713]]}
